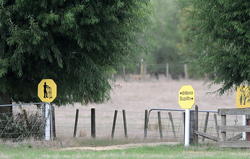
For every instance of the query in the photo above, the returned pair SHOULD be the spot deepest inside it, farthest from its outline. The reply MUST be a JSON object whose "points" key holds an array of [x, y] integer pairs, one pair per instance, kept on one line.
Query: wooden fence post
{"points": [[206, 124], [125, 123], [248, 123], [114, 122], [196, 125], [183, 117], [223, 123], [186, 71], [216, 125], [192, 127], [76, 122], [93, 128], [167, 70], [145, 123], [124, 72], [159, 123], [53, 122], [172, 123]]}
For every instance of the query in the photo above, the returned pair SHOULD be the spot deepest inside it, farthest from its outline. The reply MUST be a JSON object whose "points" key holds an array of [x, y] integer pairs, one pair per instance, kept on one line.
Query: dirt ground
{"points": [[117, 147], [162, 93], [135, 97]]}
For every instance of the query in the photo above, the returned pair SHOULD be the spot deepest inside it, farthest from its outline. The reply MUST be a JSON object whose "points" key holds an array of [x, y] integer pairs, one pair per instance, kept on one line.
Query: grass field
{"points": [[135, 97], [156, 152]]}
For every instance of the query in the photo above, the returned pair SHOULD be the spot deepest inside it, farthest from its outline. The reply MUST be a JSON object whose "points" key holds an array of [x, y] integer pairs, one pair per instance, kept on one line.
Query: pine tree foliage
{"points": [[74, 42], [221, 34]]}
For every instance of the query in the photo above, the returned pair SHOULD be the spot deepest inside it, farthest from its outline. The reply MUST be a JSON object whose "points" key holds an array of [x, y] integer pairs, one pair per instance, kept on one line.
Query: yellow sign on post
{"points": [[186, 97], [47, 90], [243, 97]]}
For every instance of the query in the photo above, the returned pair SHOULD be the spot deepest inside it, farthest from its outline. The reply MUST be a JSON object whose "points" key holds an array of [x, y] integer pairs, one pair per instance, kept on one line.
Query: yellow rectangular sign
{"points": [[243, 97]]}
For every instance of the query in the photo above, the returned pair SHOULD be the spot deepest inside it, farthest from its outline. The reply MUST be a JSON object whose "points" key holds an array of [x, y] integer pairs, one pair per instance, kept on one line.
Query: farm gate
{"points": [[241, 130]]}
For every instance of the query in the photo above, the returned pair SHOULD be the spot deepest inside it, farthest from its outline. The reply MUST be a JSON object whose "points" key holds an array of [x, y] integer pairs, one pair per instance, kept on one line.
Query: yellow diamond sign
{"points": [[243, 97], [186, 97], [47, 90]]}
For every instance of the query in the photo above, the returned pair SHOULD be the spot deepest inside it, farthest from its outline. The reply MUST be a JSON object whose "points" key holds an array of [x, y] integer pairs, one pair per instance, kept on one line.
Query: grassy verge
{"points": [[79, 142], [157, 152]]}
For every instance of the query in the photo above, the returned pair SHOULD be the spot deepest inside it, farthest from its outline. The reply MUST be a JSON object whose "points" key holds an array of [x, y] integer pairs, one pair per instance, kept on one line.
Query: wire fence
{"points": [[154, 71], [24, 121], [170, 127], [28, 121]]}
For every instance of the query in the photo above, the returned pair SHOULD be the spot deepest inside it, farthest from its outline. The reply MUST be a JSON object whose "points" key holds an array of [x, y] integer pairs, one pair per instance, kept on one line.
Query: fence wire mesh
{"points": [[24, 122], [171, 124], [29, 122], [148, 71]]}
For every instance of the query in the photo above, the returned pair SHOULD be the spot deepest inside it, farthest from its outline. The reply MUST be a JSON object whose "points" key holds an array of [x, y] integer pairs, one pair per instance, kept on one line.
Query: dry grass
{"points": [[135, 97]]}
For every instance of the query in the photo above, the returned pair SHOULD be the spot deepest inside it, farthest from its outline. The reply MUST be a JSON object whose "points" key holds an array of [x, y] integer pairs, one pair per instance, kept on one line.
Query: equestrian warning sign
{"points": [[47, 90], [186, 97], [243, 97]]}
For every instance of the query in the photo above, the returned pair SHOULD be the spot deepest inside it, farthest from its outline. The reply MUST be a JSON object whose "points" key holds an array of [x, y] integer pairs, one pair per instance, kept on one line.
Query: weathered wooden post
{"points": [[172, 123], [183, 118], [124, 73], [145, 123], [248, 123], [160, 126], [196, 125], [216, 125], [53, 122], [186, 71], [125, 123], [192, 127], [223, 124], [167, 70], [206, 124], [114, 123], [76, 122], [93, 128]]}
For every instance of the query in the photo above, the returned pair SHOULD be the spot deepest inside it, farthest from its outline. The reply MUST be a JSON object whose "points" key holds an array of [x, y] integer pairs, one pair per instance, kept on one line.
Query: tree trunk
{"points": [[5, 100]]}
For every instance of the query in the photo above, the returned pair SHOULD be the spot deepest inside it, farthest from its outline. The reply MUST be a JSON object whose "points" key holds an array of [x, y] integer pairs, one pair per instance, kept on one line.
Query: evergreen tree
{"points": [[161, 38], [77, 43], [220, 34]]}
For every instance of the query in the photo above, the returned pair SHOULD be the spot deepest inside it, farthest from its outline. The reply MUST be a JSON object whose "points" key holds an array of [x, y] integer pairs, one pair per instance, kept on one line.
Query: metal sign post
{"points": [[187, 127], [244, 123], [47, 121], [186, 101], [47, 92]]}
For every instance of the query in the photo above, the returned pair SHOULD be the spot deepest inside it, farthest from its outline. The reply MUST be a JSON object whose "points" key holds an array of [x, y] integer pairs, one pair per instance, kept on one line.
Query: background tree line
{"points": [[217, 39], [77, 43], [212, 36], [80, 44]]}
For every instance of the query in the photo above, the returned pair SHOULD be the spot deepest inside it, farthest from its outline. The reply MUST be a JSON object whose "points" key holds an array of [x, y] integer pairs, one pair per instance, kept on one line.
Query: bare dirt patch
{"points": [[117, 147]]}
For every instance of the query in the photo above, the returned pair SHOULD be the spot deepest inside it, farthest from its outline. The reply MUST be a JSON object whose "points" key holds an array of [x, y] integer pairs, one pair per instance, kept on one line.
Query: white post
{"points": [[186, 71], [47, 121], [187, 125], [244, 123], [167, 70], [142, 69]]}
